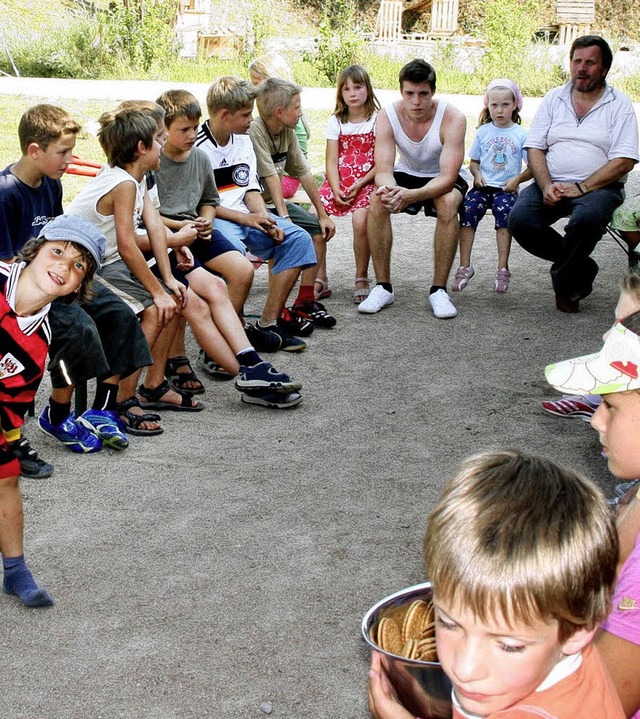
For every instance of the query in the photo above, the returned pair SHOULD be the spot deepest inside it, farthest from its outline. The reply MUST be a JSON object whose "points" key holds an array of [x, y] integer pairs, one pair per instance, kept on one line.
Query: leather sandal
{"points": [[324, 292], [152, 399], [133, 421], [179, 379]]}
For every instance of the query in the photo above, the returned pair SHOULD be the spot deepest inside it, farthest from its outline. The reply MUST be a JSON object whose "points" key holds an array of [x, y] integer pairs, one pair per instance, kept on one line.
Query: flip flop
{"points": [[324, 292], [152, 399]]}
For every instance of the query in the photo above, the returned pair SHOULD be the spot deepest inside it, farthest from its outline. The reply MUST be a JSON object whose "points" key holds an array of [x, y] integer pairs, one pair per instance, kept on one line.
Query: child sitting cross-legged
{"points": [[521, 554], [60, 262]]}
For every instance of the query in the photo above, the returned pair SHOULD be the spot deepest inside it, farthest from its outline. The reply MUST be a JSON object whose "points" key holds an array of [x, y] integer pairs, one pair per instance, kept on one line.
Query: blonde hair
{"points": [[274, 93], [516, 537], [230, 93], [179, 103], [120, 132], [44, 124], [272, 64]]}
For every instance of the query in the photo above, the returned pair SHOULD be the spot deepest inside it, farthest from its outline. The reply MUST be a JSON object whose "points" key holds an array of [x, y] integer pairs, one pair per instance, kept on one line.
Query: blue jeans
{"points": [[572, 268]]}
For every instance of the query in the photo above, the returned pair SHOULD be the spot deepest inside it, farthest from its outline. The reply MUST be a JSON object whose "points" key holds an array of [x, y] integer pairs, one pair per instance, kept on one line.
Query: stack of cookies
{"points": [[407, 630]]}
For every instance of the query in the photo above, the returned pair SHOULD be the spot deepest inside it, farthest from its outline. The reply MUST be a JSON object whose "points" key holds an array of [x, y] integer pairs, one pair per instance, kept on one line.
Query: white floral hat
{"points": [[616, 368]]}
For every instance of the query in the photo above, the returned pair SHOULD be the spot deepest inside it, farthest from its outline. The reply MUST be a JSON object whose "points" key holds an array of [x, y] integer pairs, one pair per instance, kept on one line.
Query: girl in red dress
{"points": [[350, 165]]}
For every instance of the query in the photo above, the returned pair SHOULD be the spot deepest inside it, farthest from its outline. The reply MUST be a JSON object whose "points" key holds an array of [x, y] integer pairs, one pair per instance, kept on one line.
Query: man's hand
{"points": [[568, 190], [552, 193], [395, 198]]}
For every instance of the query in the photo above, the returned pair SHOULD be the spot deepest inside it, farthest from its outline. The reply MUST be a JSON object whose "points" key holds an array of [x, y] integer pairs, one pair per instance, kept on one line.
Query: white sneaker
{"points": [[377, 299], [441, 305]]}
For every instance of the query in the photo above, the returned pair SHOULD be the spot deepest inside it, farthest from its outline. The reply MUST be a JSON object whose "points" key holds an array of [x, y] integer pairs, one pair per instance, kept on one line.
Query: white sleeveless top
{"points": [[418, 158]]}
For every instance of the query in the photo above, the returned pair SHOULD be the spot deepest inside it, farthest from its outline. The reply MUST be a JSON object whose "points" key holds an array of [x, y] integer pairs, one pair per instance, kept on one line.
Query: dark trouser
{"points": [[573, 270], [100, 338]]}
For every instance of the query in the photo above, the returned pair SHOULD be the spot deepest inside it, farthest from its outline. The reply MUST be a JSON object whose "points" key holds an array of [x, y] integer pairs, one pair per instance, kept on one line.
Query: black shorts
{"points": [[412, 182]]}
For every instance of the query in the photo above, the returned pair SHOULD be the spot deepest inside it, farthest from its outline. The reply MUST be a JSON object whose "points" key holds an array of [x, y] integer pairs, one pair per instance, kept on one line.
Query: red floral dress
{"points": [[355, 159]]}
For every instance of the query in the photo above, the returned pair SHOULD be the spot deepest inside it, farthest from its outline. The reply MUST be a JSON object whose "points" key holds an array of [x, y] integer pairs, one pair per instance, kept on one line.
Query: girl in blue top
{"points": [[496, 165]]}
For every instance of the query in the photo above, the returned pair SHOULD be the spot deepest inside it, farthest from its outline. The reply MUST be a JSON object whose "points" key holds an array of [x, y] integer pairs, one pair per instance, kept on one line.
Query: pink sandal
{"points": [[324, 291], [360, 294]]}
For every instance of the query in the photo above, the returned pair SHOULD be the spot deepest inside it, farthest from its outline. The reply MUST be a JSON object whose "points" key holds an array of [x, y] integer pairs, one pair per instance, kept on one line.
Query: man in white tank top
{"points": [[419, 152]]}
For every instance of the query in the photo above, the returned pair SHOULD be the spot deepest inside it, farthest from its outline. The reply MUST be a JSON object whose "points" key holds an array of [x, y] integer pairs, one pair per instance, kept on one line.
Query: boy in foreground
{"points": [[61, 261], [613, 374], [278, 151], [242, 216], [522, 556]]}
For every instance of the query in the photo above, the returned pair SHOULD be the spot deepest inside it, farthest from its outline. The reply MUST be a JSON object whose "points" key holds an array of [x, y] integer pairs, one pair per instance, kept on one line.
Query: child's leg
{"points": [[238, 273], [17, 577], [185, 379], [203, 312], [467, 236], [503, 238], [361, 251]]}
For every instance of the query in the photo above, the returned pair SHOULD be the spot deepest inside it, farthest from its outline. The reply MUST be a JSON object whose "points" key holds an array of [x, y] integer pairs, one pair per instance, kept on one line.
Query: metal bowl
{"points": [[422, 687]]}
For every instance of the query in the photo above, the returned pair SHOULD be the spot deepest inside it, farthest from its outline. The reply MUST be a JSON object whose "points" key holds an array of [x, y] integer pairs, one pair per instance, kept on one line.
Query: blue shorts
{"points": [[296, 250], [477, 202], [206, 250]]}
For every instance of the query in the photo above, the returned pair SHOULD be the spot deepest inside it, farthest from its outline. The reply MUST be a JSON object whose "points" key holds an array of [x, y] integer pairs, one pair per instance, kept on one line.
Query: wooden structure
{"points": [[444, 18], [198, 34], [574, 18]]}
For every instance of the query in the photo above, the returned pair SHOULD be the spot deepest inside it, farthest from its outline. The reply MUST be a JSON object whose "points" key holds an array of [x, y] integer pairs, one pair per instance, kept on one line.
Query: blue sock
{"points": [[18, 580]]}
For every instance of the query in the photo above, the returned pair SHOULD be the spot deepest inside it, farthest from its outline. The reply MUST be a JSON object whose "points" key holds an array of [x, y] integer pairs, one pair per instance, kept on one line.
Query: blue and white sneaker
{"points": [[264, 376], [272, 400], [107, 425], [73, 435]]}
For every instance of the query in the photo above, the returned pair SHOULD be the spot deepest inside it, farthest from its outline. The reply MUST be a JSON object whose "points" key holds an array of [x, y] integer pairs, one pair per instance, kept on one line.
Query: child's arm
{"points": [[157, 235], [362, 182], [478, 177], [257, 217], [326, 223], [514, 182], [383, 701], [333, 177], [121, 200]]}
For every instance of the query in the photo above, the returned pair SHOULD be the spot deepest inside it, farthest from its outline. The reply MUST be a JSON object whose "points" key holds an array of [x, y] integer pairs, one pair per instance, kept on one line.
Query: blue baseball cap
{"points": [[77, 229]]}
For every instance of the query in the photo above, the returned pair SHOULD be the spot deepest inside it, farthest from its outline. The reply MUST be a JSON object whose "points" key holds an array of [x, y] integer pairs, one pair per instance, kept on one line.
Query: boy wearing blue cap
{"points": [[61, 261]]}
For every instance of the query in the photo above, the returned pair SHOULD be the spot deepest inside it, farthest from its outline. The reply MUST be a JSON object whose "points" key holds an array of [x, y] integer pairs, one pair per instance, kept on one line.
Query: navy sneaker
{"points": [[273, 400], [30, 464], [264, 376], [288, 343], [106, 425], [295, 324], [262, 338], [73, 435], [315, 312]]}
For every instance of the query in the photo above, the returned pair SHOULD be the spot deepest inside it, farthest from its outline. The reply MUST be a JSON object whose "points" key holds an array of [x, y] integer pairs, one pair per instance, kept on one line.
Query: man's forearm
{"points": [[611, 172], [538, 166]]}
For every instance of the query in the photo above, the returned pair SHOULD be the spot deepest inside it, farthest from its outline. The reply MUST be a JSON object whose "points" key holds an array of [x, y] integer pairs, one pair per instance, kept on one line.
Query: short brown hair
{"points": [[179, 103], [44, 124], [517, 537], [417, 72], [275, 92], [32, 247], [230, 93], [121, 131], [151, 108]]}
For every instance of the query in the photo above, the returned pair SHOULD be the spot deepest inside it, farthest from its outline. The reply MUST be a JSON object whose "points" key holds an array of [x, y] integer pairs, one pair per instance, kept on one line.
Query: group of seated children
{"points": [[158, 193]]}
